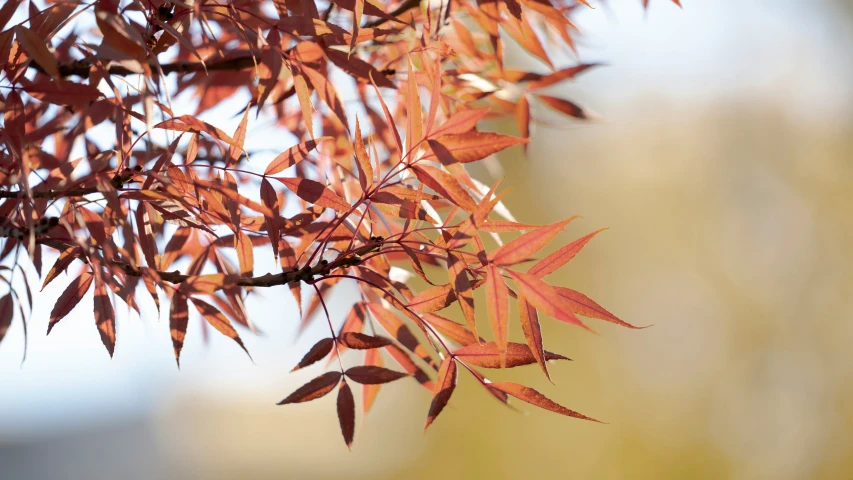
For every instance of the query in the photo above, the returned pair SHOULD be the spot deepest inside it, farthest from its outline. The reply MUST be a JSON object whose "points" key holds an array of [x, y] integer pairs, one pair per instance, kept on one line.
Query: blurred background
{"points": [[722, 165]]}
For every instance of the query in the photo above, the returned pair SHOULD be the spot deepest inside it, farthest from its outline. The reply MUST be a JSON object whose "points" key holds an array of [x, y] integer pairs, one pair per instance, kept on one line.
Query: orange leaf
{"points": [[583, 305], [521, 248], [451, 329], [219, 321], [532, 333], [462, 286], [562, 256], [36, 48], [245, 253], [315, 192], [292, 156], [369, 392], [542, 81], [178, 320], [535, 398], [346, 412], [361, 341], [545, 298], [470, 147], [372, 375], [433, 299], [397, 329], [414, 113], [444, 386], [105, 316], [445, 185], [564, 106], [70, 298], [314, 389], [365, 169], [497, 304], [488, 355]]}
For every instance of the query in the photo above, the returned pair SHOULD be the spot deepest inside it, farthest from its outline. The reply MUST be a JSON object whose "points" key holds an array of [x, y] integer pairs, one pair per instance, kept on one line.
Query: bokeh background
{"points": [[723, 165]]}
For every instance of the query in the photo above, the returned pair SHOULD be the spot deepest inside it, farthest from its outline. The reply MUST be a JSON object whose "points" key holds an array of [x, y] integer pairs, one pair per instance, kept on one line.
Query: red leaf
{"points": [[361, 341], [7, 313], [444, 385], [293, 155], [346, 413], [70, 298], [583, 305], [535, 398], [521, 248], [314, 389], [545, 298], [62, 92], [316, 353], [397, 329], [488, 355], [105, 316], [178, 319], [316, 193], [372, 375], [562, 256], [543, 81], [65, 258], [470, 147], [497, 304]]}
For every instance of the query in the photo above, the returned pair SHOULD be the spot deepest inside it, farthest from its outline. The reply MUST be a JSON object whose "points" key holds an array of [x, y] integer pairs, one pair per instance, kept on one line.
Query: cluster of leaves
{"points": [[377, 199]]}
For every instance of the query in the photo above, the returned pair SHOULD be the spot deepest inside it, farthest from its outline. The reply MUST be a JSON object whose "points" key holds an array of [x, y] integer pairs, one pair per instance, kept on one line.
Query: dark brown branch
{"points": [[52, 194], [81, 68], [403, 8]]}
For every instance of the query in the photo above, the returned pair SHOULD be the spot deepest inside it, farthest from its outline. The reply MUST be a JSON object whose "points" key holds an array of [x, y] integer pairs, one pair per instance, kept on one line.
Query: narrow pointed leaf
{"points": [[316, 353], [293, 155], [444, 386], [560, 257], [497, 304], [545, 298], [372, 375], [178, 320], [488, 355], [361, 341], [70, 298], [535, 398], [521, 248], [529, 319], [105, 318], [346, 412], [583, 305], [314, 389], [315, 192], [470, 147]]}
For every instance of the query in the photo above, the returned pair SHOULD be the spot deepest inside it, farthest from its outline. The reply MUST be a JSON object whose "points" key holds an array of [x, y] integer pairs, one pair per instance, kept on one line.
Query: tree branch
{"points": [[81, 68]]}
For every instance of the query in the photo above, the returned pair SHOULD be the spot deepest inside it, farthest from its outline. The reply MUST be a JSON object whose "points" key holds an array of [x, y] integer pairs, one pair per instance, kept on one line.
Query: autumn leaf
{"points": [[70, 298], [314, 192], [562, 256], [7, 312], [316, 353], [470, 147], [293, 155], [521, 248], [488, 355], [372, 375], [545, 298], [346, 412], [314, 389], [178, 319], [105, 318], [535, 398], [444, 386], [497, 303], [361, 341], [35, 46]]}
